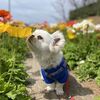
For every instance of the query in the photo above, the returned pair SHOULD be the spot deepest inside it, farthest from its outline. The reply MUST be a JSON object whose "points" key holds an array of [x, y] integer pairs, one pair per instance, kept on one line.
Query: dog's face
{"points": [[41, 40]]}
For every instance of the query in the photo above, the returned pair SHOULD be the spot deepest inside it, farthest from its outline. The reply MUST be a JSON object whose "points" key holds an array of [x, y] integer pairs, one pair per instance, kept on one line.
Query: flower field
{"points": [[12, 70], [82, 52]]}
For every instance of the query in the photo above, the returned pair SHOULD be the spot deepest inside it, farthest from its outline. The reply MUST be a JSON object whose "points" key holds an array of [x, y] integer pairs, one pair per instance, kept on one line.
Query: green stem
{"points": [[13, 64]]}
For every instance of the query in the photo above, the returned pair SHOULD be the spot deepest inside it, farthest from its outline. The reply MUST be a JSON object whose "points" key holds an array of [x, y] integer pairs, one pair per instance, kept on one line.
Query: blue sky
{"points": [[33, 11]]}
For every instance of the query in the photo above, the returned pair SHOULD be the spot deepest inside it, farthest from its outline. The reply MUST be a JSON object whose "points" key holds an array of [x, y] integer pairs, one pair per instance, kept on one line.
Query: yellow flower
{"points": [[71, 34], [61, 26], [12, 31], [20, 24], [25, 32], [3, 27], [19, 31]]}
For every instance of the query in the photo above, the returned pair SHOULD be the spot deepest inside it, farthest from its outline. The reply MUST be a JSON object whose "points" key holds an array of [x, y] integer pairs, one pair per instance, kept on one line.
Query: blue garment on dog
{"points": [[58, 73]]}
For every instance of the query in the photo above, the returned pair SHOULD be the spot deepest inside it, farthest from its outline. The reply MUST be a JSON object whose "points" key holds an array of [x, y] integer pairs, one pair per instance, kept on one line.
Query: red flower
{"points": [[5, 15], [71, 23]]}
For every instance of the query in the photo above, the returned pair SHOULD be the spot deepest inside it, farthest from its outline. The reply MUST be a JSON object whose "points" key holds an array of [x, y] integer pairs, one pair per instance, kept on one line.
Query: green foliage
{"points": [[12, 71], [86, 71], [83, 56], [98, 76], [97, 98], [84, 12]]}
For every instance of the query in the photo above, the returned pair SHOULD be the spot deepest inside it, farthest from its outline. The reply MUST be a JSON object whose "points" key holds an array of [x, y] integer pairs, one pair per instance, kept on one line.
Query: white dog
{"points": [[47, 49]]}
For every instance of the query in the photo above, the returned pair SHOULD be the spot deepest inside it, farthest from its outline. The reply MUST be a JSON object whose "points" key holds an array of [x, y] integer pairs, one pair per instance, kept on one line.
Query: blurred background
{"points": [[78, 20], [35, 11]]}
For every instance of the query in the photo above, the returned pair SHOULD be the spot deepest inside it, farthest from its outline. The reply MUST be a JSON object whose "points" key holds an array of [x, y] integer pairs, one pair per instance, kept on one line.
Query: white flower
{"points": [[85, 26], [53, 25], [97, 27], [77, 26]]}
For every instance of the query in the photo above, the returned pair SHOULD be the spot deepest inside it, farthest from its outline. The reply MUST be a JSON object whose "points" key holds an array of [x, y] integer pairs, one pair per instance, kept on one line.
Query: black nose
{"points": [[31, 37]]}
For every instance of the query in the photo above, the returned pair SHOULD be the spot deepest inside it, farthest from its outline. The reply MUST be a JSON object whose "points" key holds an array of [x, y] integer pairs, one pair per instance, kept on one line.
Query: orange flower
{"points": [[70, 23], [5, 15]]}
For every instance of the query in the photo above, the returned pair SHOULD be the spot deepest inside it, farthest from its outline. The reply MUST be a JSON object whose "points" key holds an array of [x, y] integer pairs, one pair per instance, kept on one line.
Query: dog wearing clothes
{"points": [[47, 49]]}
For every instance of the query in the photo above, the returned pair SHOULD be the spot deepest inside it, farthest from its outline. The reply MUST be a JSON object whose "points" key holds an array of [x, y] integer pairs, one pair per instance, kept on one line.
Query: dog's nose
{"points": [[31, 37]]}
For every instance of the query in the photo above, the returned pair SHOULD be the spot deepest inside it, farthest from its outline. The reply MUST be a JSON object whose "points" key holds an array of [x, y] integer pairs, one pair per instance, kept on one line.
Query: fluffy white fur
{"points": [[47, 49]]}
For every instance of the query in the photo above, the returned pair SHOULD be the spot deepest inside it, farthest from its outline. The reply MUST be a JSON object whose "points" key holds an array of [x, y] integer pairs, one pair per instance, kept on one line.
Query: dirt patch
{"points": [[83, 91], [80, 91]]}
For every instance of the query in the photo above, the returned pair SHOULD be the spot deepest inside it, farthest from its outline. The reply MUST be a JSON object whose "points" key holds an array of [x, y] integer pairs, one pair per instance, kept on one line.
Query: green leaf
{"points": [[3, 97], [12, 95]]}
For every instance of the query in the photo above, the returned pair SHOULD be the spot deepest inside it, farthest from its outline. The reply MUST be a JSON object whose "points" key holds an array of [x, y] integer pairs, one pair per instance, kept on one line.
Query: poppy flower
{"points": [[3, 27], [70, 23], [21, 32], [71, 34], [61, 26], [5, 16]]}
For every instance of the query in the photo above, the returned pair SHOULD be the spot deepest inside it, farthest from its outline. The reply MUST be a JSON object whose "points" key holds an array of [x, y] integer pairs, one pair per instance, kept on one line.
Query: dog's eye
{"points": [[56, 40], [40, 37]]}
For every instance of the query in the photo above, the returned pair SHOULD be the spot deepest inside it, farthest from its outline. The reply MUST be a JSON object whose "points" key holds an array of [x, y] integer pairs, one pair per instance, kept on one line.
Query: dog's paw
{"points": [[59, 91], [48, 88]]}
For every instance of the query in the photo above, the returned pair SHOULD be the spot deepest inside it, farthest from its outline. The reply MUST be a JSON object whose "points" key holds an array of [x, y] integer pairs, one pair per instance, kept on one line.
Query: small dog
{"points": [[47, 49]]}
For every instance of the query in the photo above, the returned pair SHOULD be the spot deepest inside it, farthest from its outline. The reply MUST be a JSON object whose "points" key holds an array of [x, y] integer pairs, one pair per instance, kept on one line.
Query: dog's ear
{"points": [[57, 42]]}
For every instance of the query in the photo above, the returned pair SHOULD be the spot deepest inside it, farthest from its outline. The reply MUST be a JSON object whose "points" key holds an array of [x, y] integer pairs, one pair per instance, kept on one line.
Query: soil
{"points": [[87, 90]]}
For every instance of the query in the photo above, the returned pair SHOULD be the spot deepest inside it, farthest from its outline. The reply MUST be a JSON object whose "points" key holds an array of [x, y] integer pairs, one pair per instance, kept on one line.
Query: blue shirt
{"points": [[58, 73]]}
